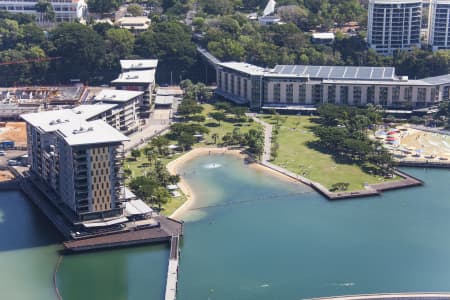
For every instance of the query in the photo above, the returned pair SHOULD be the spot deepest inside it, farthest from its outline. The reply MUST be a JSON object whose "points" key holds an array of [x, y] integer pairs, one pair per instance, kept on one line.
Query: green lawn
{"points": [[295, 155], [223, 128]]}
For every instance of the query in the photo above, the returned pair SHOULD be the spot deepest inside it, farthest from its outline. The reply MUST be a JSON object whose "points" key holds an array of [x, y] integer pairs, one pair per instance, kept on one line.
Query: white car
{"points": [[2, 153]]}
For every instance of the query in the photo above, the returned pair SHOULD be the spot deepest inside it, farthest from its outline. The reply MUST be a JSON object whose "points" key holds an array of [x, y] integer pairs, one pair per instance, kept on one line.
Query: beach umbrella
{"points": [[390, 139], [391, 132]]}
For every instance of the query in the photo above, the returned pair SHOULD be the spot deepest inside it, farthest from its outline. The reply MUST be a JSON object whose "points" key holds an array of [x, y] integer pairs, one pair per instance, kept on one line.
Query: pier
{"points": [[172, 271]]}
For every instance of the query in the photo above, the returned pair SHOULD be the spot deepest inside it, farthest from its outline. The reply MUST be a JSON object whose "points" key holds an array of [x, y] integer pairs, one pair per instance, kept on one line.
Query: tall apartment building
{"points": [[439, 24], [394, 25], [79, 161], [65, 10], [138, 75]]}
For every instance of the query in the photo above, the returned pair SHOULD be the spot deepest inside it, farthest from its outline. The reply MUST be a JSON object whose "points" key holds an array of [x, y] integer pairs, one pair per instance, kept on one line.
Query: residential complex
{"points": [[138, 75], [299, 85], [79, 160], [394, 25], [439, 24], [65, 10]]}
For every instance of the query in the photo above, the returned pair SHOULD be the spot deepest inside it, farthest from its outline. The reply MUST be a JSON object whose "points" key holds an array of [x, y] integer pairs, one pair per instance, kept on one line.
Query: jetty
{"points": [[172, 271]]}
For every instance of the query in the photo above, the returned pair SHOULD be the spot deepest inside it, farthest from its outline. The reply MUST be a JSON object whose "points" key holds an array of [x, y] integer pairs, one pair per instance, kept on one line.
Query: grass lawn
{"points": [[224, 127], [295, 155]]}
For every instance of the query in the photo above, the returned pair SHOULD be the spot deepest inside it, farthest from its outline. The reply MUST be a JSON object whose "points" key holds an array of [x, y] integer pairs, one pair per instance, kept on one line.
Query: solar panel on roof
{"points": [[288, 69], [336, 73], [364, 73], [377, 73], [351, 72]]}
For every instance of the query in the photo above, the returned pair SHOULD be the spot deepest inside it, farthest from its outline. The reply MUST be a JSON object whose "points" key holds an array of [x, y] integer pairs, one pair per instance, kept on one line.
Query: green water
{"points": [[252, 236]]}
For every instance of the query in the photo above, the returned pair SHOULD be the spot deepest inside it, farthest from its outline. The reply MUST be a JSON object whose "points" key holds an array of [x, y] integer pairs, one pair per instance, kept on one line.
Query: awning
{"points": [[106, 223]]}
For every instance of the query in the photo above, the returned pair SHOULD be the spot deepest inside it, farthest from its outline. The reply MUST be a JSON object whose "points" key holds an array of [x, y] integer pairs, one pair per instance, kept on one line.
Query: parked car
{"points": [[2, 153], [13, 162]]}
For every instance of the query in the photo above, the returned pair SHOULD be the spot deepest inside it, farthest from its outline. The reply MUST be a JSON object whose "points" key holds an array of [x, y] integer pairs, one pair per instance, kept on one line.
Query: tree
{"points": [[160, 142], [120, 43], [218, 116], [135, 10], [339, 186], [83, 51], [103, 6], [186, 140], [215, 136], [161, 196], [189, 107], [135, 153], [45, 10]]}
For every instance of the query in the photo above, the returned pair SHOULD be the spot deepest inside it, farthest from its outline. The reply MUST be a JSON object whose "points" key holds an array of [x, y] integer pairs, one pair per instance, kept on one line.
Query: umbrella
{"points": [[390, 139], [391, 132]]}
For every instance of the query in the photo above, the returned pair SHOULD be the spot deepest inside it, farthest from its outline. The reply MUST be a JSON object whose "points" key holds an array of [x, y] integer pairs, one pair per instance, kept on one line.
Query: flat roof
{"points": [[144, 76], [163, 99], [337, 72], [105, 223], [133, 20], [74, 128], [88, 111], [244, 68], [117, 95], [323, 35], [137, 64], [418, 82], [438, 80]]}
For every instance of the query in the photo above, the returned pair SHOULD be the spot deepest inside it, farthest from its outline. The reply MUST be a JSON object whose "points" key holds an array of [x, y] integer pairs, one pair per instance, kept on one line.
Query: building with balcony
{"points": [[439, 24], [125, 115], [138, 75], [65, 10], [79, 161], [300, 85], [394, 25], [134, 24]]}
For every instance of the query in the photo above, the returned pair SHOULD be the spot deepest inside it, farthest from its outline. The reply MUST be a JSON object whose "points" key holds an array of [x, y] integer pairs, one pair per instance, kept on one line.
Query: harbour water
{"points": [[249, 236]]}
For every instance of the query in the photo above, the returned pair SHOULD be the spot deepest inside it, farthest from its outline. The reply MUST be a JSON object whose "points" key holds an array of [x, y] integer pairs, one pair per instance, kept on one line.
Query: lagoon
{"points": [[249, 235]]}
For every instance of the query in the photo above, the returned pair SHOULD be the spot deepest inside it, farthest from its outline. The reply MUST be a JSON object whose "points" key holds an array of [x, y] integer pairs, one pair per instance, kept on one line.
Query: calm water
{"points": [[250, 236]]}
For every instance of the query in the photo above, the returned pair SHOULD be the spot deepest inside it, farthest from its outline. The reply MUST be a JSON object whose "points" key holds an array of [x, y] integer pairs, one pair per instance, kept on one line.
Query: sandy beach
{"points": [[174, 166]]}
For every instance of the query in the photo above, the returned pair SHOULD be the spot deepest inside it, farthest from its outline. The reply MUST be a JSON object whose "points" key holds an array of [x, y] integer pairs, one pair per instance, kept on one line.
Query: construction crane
{"points": [[27, 61]]}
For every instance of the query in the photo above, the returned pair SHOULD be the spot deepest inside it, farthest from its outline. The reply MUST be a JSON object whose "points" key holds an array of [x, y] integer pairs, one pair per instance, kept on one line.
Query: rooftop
{"points": [[74, 128], [145, 76], [117, 95], [88, 111], [337, 72], [136, 64], [323, 35], [164, 99], [244, 68]]}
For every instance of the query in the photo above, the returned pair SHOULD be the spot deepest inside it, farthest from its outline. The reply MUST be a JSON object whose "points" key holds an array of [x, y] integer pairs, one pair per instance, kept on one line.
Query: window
{"points": [[331, 94], [302, 93], [289, 93], [370, 94], [357, 95], [344, 94], [383, 96], [276, 92]]}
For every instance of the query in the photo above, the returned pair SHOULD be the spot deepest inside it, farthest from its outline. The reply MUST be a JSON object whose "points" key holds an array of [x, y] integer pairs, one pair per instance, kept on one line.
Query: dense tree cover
{"points": [[103, 6], [91, 53], [343, 133]]}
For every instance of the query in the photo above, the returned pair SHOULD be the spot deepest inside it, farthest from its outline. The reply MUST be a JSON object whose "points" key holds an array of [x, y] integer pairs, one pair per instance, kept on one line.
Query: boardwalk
{"points": [[172, 271], [267, 138]]}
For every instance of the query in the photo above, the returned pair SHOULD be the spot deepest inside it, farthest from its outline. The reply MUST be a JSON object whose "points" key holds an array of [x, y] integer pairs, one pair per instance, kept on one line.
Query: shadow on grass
{"points": [[212, 124]]}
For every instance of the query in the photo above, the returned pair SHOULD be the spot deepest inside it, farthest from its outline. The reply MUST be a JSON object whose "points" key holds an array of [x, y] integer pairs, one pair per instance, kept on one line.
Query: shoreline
{"points": [[174, 166]]}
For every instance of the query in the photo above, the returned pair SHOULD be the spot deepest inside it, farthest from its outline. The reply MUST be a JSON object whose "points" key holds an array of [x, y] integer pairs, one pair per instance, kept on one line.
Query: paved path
{"points": [[267, 138], [422, 296]]}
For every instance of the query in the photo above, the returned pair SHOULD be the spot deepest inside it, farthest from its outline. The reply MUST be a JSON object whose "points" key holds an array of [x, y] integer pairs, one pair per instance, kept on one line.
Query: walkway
{"points": [[267, 138], [172, 272]]}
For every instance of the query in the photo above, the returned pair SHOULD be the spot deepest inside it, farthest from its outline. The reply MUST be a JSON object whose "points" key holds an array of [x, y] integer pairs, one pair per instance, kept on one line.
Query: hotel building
{"points": [[80, 161], [299, 85], [439, 24], [65, 10], [394, 25]]}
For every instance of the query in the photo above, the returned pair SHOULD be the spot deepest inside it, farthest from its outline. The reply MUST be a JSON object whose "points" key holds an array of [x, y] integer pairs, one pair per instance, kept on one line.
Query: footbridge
{"points": [[172, 272], [208, 57]]}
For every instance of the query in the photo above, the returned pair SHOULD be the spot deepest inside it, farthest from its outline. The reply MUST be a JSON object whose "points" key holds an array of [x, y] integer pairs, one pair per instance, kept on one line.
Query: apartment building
{"points": [[439, 24], [138, 75], [65, 10], [80, 161], [394, 25], [300, 85]]}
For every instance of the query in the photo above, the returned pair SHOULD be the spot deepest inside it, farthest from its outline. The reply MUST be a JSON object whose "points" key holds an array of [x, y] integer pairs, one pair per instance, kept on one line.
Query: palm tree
{"points": [[215, 136], [45, 10]]}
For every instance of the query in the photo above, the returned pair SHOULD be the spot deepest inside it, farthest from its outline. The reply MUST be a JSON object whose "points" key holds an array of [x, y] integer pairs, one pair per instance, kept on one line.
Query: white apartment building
{"points": [[125, 114], [65, 10], [439, 24], [299, 85], [80, 161], [394, 25]]}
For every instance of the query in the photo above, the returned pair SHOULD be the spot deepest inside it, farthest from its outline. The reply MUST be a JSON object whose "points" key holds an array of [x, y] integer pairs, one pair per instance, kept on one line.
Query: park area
{"points": [[296, 154]]}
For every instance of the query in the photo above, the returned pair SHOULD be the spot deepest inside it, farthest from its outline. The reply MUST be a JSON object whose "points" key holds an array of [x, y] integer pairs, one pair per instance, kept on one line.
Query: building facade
{"points": [[297, 85], [65, 10], [394, 25], [439, 24], [138, 75], [79, 161]]}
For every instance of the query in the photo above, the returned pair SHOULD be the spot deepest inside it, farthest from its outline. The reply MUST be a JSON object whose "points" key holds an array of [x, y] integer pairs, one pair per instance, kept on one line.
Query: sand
{"points": [[14, 131], [6, 175], [174, 166]]}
